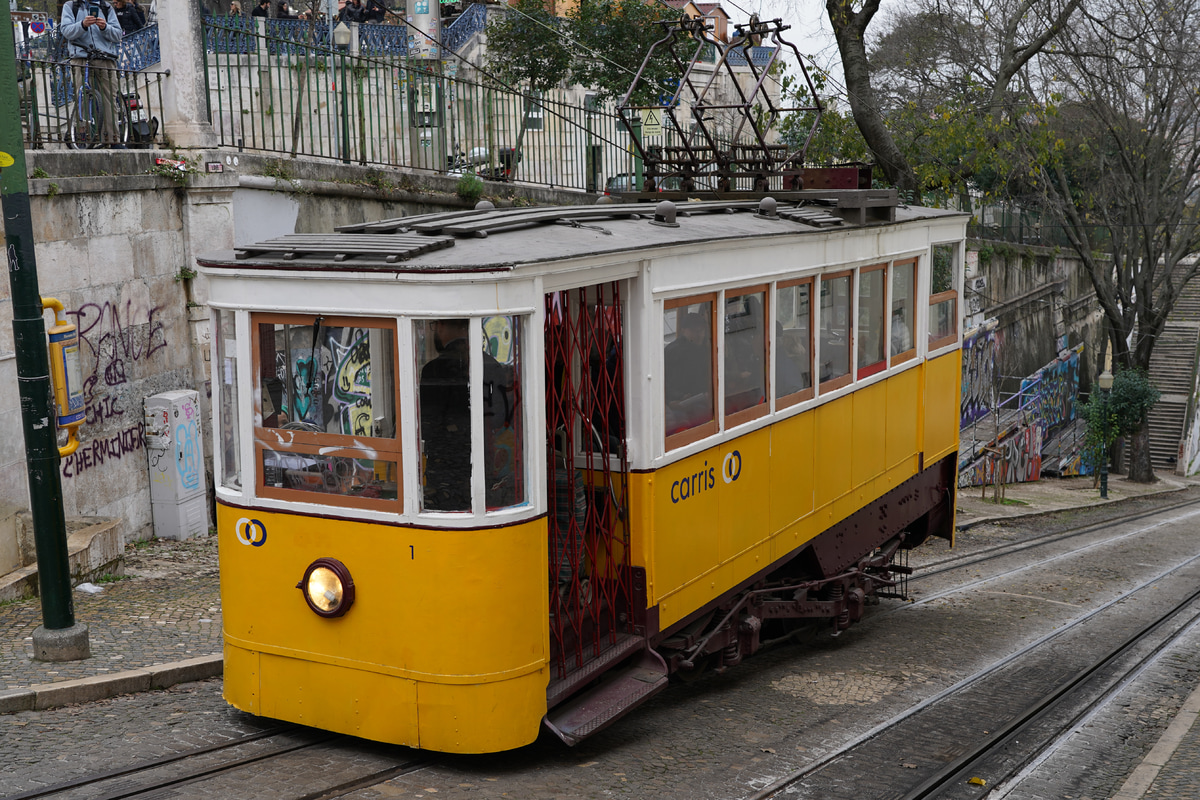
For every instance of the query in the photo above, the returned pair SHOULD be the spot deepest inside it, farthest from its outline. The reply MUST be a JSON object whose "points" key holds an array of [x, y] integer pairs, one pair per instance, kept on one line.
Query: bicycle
{"points": [[85, 125]]}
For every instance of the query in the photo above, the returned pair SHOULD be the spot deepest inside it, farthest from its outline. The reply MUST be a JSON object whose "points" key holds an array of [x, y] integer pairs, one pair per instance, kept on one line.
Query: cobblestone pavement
{"points": [[166, 607]]}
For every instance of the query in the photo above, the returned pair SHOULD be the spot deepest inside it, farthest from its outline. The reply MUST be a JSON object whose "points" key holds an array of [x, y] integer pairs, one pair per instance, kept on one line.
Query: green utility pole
{"points": [[59, 638]]}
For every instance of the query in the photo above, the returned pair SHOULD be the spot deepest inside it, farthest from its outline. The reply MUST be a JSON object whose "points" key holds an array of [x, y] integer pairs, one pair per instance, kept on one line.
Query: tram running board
{"points": [[615, 696]]}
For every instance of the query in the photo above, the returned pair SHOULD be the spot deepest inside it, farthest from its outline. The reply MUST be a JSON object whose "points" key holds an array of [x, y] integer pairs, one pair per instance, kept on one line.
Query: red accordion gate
{"points": [[590, 585]]}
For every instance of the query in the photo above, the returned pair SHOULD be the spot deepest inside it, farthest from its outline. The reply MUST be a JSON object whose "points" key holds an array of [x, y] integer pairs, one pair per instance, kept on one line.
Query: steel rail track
{"points": [[205, 772], [957, 772], [997, 551], [772, 789]]}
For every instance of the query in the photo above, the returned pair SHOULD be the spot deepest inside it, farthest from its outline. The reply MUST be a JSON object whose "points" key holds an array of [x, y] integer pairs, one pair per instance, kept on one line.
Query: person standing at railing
{"points": [[130, 15], [263, 9], [92, 25], [374, 11]]}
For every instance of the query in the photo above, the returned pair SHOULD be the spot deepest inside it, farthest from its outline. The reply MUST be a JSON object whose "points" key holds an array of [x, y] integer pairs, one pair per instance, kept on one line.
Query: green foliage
{"points": [[38, 172], [615, 36], [470, 187], [52, 190], [1132, 398], [1101, 423], [526, 48]]}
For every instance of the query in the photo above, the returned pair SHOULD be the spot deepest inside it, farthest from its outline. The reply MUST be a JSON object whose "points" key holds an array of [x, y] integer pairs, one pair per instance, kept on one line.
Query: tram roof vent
{"points": [[357, 250]]}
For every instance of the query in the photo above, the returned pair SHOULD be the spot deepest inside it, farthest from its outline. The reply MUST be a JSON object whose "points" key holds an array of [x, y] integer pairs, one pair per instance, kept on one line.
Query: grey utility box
{"points": [[175, 453]]}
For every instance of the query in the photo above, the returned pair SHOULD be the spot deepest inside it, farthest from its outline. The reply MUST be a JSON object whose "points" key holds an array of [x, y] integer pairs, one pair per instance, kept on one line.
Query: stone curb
{"points": [[967, 525], [101, 687]]}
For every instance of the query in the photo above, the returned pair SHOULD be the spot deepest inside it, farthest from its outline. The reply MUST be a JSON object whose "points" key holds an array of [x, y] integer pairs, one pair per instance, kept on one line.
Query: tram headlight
{"points": [[328, 588]]}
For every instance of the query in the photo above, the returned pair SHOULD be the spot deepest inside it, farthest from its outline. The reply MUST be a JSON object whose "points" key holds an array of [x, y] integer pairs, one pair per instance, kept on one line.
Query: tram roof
{"points": [[497, 240]]}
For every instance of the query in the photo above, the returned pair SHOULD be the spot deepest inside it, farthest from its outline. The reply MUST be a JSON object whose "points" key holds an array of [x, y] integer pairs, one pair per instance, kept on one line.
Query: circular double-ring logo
{"points": [[251, 532], [731, 467]]}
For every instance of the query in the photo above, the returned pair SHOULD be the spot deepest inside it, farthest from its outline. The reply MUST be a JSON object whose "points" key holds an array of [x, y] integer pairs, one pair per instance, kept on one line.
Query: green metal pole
{"points": [[33, 376]]}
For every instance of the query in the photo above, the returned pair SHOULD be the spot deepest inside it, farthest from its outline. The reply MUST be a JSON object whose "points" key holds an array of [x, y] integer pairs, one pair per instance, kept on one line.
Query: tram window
{"points": [[903, 311], [503, 433], [444, 366], [872, 356], [793, 342], [317, 376], [688, 386], [345, 476], [326, 411], [943, 299], [745, 355], [835, 330], [231, 440]]}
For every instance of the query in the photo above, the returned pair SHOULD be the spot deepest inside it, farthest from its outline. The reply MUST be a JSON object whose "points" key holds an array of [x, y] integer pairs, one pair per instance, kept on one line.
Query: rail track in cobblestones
{"points": [[992, 723], [229, 764], [1001, 550]]}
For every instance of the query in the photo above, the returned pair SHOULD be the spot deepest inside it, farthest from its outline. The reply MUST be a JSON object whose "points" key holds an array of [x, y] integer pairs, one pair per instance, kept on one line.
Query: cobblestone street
{"points": [[166, 607]]}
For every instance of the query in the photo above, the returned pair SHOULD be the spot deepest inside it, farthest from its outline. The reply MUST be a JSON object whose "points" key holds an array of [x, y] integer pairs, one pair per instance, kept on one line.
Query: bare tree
{"points": [[1123, 179]]}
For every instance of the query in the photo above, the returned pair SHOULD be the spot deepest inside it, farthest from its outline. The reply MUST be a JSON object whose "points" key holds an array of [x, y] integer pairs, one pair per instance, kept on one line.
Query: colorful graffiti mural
{"points": [[979, 351], [1057, 386], [1019, 460]]}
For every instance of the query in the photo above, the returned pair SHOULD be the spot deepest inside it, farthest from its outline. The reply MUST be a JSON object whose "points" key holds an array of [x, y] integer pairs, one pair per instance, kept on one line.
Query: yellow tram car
{"points": [[484, 471]]}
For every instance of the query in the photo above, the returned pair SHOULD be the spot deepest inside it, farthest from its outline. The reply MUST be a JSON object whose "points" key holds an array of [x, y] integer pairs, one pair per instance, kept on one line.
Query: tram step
{"points": [[614, 697]]}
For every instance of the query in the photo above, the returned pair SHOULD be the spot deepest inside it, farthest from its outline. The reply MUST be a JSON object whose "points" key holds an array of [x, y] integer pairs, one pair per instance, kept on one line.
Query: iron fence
{"points": [[48, 98], [297, 96]]}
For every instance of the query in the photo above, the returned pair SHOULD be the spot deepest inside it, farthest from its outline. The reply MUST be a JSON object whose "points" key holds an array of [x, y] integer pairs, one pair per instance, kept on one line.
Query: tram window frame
{"points": [[228, 417], [840, 381], [708, 428], [320, 443], [875, 367], [762, 407], [909, 353], [808, 392], [945, 298]]}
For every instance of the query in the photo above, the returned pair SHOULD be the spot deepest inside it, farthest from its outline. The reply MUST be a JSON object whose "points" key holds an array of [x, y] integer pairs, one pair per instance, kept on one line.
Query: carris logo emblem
{"points": [[731, 467], [251, 532]]}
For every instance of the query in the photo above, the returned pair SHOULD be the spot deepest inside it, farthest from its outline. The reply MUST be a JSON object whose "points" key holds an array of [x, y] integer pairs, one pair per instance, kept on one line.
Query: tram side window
{"points": [[872, 356], [444, 395], [835, 330], [903, 311], [503, 430], [745, 356], [688, 355], [326, 410], [943, 299], [227, 368], [793, 342]]}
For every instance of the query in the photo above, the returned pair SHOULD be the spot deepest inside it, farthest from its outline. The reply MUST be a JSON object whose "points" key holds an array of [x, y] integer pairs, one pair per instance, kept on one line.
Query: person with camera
{"points": [[92, 25]]}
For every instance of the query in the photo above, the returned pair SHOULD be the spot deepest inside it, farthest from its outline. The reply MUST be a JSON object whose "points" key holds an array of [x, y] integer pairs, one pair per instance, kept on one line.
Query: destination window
{"points": [[325, 409], [689, 355], [226, 379]]}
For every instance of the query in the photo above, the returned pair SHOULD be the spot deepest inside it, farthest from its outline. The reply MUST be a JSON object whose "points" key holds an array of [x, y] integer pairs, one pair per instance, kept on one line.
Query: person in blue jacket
{"points": [[93, 25]]}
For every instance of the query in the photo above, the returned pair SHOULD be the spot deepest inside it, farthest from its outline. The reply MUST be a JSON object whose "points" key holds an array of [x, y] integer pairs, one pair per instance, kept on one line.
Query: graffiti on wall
{"points": [[328, 378], [116, 337], [979, 351], [1056, 386], [97, 451], [1019, 459]]}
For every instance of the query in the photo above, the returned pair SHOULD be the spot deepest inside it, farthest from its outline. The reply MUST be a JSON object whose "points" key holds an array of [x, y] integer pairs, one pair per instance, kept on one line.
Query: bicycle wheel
{"points": [[86, 120]]}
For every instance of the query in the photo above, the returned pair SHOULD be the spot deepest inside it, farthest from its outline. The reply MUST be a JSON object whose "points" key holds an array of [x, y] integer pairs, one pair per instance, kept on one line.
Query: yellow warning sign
{"points": [[5, 160], [652, 122]]}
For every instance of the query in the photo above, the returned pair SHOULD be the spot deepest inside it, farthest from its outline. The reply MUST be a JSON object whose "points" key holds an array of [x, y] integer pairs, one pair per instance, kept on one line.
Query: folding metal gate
{"points": [[590, 585]]}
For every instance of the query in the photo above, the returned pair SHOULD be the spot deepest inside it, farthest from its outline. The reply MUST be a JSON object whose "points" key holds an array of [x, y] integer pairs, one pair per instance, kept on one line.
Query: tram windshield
{"points": [[326, 408]]}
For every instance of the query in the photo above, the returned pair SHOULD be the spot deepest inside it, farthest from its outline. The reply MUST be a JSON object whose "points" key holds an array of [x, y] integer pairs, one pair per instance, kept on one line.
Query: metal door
{"points": [[590, 585]]}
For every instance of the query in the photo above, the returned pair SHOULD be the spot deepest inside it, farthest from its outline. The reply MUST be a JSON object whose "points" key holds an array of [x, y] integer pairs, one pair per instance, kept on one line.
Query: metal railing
{"points": [[47, 92], [281, 89], [279, 95]]}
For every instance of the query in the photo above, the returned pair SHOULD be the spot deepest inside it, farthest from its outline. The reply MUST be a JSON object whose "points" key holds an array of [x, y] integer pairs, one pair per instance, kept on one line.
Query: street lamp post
{"points": [[341, 40], [1105, 382]]}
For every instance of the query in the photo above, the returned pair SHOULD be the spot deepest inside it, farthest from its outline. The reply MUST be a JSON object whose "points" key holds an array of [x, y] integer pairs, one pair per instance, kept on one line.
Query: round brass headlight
{"points": [[327, 587]]}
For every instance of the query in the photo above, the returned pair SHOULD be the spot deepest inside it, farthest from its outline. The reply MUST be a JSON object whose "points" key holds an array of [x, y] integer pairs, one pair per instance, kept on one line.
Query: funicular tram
{"points": [[486, 471]]}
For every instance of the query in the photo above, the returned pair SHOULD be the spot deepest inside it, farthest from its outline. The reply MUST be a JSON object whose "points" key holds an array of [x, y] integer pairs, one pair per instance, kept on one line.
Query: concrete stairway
{"points": [[1173, 372]]}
